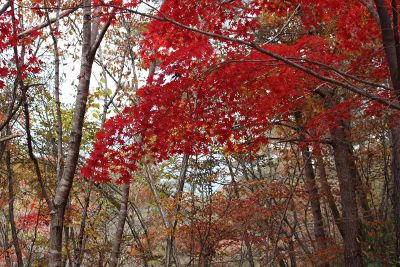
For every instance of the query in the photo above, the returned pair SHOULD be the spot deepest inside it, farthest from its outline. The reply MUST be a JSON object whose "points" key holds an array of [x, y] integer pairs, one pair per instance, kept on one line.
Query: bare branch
{"points": [[49, 22], [9, 137]]}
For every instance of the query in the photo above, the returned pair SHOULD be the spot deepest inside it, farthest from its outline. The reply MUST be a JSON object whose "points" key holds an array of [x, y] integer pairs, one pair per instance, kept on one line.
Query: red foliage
{"points": [[212, 92]]}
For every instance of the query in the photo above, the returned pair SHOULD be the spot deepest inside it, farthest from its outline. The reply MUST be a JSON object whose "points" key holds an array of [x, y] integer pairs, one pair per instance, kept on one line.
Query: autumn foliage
{"points": [[264, 132]]}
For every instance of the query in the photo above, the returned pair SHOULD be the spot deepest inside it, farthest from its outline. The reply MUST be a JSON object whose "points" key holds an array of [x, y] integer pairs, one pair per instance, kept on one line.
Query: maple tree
{"points": [[264, 132]]}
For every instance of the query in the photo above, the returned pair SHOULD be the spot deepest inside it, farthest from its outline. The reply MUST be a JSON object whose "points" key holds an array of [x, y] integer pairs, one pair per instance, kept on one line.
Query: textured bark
{"points": [[390, 39], [351, 222], [123, 213], [11, 218], [312, 188], [64, 185]]}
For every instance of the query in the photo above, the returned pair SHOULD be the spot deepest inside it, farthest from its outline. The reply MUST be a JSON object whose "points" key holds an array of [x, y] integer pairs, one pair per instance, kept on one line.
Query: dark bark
{"points": [[327, 192], [312, 189], [396, 187], [33, 157], [11, 218], [390, 39], [351, 222]]}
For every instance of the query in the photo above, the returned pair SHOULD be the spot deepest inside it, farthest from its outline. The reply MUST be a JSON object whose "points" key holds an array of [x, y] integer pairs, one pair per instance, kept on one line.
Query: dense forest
{"points": [[199, 133]]}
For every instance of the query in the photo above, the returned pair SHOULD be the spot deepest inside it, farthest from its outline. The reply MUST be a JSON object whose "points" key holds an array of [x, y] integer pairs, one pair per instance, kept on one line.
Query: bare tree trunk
{"points": [[245, 234], [312, 189], [79, 244], [351, 222], [123, 213], [60, 153], [11, 210], [390, 38], [64, 186], [139, 243], [59, 126], [151, 182], [170, 247], [327, 192]]}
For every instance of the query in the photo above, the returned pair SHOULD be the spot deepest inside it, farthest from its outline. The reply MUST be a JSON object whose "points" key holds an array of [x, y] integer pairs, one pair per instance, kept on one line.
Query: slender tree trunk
{"points": [[123, 212], [250, 256], [327, 192], [65, 184], [312, 189], [136, 236], [396, 187], [11, 218], [170, 246], [59, 126], [292, 253], [79, 243], [89, 48]]}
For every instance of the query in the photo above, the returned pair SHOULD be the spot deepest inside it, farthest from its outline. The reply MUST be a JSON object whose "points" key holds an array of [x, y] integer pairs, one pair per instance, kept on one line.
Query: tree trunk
{"points": [[170, 246], [391, 44], [249, 251], [351, 223], [327, 192], [396, 187], [123, 212], [79, 244], [312, 188], [11, 211], [59, 125], [65, 184]]}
